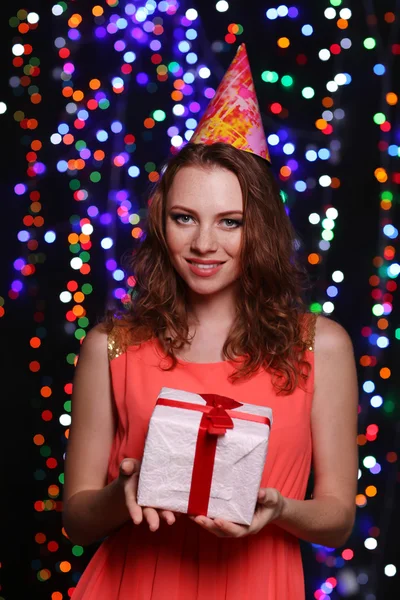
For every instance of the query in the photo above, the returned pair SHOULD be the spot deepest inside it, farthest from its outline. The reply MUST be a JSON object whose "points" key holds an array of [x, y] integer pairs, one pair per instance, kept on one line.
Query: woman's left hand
{"points": [[270, 503]]}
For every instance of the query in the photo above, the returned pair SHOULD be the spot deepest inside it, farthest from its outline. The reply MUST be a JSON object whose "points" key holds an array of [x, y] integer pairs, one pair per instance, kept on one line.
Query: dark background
{"points": [[358, 239]]}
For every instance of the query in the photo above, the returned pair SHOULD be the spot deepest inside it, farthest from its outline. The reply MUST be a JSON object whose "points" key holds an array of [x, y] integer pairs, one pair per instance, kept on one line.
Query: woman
{"points": [[237, 328]]}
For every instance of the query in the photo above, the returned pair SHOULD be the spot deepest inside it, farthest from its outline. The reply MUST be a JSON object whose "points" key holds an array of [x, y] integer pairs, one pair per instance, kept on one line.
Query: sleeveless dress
{"points": [[183, 561]]}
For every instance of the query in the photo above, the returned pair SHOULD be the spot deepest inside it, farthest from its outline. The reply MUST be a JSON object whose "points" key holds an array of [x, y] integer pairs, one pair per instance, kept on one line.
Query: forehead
{"points": [[204, 186]]}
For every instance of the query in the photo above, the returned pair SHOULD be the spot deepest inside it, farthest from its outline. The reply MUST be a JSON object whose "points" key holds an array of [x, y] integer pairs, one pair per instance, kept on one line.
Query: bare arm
{"points": [[328, 518], [92, 509]]}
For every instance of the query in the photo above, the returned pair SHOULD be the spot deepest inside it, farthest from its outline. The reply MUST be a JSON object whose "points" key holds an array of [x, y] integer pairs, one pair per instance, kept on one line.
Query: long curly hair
{"points": [[268, 329]]}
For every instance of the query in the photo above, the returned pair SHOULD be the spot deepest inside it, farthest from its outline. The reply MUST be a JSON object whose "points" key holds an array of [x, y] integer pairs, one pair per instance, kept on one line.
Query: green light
{"points": [[150, 166], [283, 195], [387, 195], [269, 76], [95, 176], [369, 43], [308, 92], [80, 144], [84, 256], [87, 288], [379, 118], [327, 235], [67, 405], [77, 550], [287, 81], [173, 67], [13, 22], [83, 322], [104, 103], [45, 451], [61, 478], [240, 29], [74, 248], [159, 115], [397, 333], [74, 184], [71, 358], [336, 2], [79, 334], [388, 406], [316, 307]]}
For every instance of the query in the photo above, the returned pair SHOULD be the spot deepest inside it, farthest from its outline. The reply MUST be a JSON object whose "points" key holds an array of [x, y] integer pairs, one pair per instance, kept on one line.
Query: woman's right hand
{"points": [[128, 479]]}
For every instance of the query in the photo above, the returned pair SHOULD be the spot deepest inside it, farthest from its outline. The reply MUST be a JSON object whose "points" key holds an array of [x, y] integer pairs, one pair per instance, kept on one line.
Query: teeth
{"points": [[200, 266]]}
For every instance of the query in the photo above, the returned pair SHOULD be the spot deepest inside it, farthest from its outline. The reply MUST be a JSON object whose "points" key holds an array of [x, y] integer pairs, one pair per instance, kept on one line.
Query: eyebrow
{"points": [[221, 214]]}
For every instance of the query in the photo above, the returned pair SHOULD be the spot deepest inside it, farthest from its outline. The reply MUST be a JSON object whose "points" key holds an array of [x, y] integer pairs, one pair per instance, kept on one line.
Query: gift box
{"points": [[204, 455]]}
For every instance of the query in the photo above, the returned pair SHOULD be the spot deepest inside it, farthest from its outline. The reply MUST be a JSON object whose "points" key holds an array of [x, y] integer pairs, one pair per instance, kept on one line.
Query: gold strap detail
{"points": [[310, 329], [117, 341]]}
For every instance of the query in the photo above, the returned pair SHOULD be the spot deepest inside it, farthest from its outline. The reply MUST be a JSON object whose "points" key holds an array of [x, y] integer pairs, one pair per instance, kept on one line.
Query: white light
{"points": [[331, 86], [327, 115], [390, 570], [3, 108], [282, 10], [330, 13], [106, 243], [325, 181], [191, 14], [328, 307], [65, 420], [204, 72], [337, 276], [178, 110], [76, 263], [57, 10], [65, 297], [369, 462], [222, 6], [71, 108], [55, 138], [345, 14], [332, 213], [189, 134], [176, 141], [370, 543], [324, 54], [340, 79], [87, 228], [17, 49], [314, 218], [346, 43], [32, 18], [359, 474]]}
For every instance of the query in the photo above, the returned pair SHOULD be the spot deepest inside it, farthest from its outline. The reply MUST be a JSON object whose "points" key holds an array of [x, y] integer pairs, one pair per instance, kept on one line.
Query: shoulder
{"points": [[331, 337], [95, 341]]}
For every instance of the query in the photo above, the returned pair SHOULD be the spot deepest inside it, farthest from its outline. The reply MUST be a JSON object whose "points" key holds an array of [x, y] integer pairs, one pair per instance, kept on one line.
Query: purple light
{"points": [[119, 45], [92, 211], [23, 236], [194, 107], [19, 263], [111, 264], [185, 22], [17, 285], [85, 153], [68, 68], [74, 34], [119, 293], [100, 32], [293, 164], [142, 78], [112, 28], [155, 45], [171, 131], [139, 35], [39, 168], [376, 469], [293, 12], [105, 218], [209, 93], [100, 96], [20, 189], [187, 90], [283, 135], [148, 26], [121, 195]]}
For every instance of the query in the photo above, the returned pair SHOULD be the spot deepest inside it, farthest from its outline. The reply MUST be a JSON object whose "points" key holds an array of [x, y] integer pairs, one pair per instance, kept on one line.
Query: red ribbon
{"points": [[216, 419]]}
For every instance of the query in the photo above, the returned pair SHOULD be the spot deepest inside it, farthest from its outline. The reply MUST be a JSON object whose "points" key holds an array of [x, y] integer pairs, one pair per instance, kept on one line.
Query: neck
{"points": [[213, 311]]}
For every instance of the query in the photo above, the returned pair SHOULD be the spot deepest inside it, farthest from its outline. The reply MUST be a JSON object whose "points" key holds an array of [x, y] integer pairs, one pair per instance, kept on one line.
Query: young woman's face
{"points": [[204, 216]]}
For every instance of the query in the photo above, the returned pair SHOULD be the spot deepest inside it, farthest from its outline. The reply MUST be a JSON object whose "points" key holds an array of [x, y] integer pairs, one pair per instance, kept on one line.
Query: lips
{"points": [[204, 262]]}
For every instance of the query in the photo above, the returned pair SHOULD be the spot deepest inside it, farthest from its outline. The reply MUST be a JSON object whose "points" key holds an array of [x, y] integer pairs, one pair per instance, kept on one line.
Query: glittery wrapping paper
{"points": [[167, 464]]}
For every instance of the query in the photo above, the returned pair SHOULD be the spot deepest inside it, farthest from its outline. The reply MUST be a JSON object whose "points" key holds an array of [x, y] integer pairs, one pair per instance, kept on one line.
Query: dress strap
{"points": [[310, 326], [118, 341]]}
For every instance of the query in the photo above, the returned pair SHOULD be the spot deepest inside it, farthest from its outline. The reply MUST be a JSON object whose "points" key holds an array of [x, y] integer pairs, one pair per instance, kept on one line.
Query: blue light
{"points": [[116, 126], [300, 186], [393, 150], [373, 338], [379, 69], [62, 166], [368, 386], [188, 77], [102, 135], [307, 30], [273, 139], [191, 34], [332, 291], [133, 171], [49, 237], [118, 275], [324, 154], [63, 128], [390, 231], [191, 58], [184, 46], [129, 57], [272, 14], [311, 155], [288, 148], [382, 342], [122, 23], [376, 401], [191, 123], [82, 114]]}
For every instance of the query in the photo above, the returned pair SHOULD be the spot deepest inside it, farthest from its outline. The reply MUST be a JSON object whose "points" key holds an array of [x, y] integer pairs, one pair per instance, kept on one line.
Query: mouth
{"points": [[205, 265]]}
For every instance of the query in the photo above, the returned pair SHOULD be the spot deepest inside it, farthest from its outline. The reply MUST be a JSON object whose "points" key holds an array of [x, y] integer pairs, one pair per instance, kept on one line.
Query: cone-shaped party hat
{"points": [[233, 115]]}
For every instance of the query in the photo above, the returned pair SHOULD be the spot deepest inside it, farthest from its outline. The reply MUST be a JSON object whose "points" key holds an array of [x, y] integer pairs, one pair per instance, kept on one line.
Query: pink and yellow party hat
{"points": [[233, 115]]}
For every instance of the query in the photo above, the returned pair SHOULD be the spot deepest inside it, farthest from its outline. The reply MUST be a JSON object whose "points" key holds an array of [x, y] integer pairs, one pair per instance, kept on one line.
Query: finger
{"points": [[128, 467], [152, 518], [135, 510], [167, 516], [210, 526], [231, 529]]}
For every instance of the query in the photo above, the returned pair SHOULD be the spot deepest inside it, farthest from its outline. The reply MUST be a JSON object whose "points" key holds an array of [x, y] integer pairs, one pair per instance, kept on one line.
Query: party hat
{"points": [[233, 114]]}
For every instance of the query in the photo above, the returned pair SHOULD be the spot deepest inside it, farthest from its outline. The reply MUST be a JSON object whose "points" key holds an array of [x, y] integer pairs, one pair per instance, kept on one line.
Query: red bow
{"points": [[218, 420]]}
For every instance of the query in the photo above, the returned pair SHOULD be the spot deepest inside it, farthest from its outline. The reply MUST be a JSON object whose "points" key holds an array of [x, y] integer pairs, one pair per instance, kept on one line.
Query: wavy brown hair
{"points": [[268, 330]]}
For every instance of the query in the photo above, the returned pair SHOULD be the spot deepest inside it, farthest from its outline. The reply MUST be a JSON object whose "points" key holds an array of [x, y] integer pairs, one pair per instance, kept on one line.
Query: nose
{"points": [[204, 240]]}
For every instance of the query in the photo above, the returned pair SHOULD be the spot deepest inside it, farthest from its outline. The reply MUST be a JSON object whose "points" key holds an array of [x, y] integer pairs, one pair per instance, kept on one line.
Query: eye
{"points": [[176, 217], [235, 223]]}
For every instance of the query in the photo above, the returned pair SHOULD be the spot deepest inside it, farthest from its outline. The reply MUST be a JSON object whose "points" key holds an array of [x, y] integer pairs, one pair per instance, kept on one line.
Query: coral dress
{"points": [[184, 561]]}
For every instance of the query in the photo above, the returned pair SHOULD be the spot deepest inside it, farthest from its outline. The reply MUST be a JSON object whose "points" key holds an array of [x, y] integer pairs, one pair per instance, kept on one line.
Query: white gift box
{"points": [[167, 471]]}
